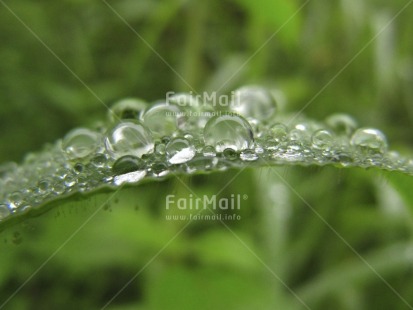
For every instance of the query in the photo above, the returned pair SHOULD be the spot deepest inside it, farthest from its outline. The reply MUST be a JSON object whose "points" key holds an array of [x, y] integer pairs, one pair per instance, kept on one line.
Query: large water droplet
{"points": [[179, 151], [228, 131], [129, 138], [253, 101], [342, 124], [163, 119], [369, 140], [80, 143], [129, 108]]}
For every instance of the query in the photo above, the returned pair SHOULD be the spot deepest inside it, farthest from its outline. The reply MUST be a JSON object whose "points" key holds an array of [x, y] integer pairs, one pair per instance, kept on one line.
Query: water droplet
{"points": [[99, 160], [165, 139], [248, 155], [369, 140], [129, 138], [58, 188], [159, 169], [342, 124], [253, 101], [278, 132], [209, 151], [322, 139], [160, 149], [80, 143], [16, 198], [43, 186], [179, 151], [228, 131], [127, 164], [70, 180], [230, 154], [297, 135], [128, 108], [163, 119], [78, 168], [4, 211]]}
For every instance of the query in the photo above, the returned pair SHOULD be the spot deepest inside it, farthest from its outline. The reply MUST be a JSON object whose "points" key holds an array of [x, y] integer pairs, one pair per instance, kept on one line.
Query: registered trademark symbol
{"points": [[245, 197]]}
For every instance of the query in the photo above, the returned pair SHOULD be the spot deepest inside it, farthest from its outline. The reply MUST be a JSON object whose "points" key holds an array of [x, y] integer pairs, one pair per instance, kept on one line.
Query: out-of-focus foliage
{"points": [[327, 56]]}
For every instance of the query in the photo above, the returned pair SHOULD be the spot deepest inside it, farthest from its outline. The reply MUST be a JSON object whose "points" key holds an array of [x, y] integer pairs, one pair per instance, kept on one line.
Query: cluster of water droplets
{"points": [[185, 135]]}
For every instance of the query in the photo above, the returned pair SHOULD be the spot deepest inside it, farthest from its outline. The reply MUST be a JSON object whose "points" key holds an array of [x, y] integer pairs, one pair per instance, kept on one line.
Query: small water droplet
{"points": [[230, 154], [78, 168], [129, 138], [369, 140], [80, 143], [43, 186], [16, 198], [228, 131], [342, 124], [70, 180], [58, 188], [127, 164], [248, 155], [322, 139], [99, 160], [253, 101], [160, 149], [159, 169], [128, 108], [278, 132], [209, 151]]}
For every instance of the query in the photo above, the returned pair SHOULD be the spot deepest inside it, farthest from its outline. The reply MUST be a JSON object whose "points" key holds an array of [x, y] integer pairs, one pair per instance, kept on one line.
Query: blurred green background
{"points": [[62, 61]]}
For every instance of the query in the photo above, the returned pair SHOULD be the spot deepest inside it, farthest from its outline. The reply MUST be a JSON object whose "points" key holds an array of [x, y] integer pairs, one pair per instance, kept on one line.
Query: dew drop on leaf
{"points": [[179, 151], [163, 119], [129, 138], [228, 131], [126, 164], [248, 155], [230, 154], [369, 140]]}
